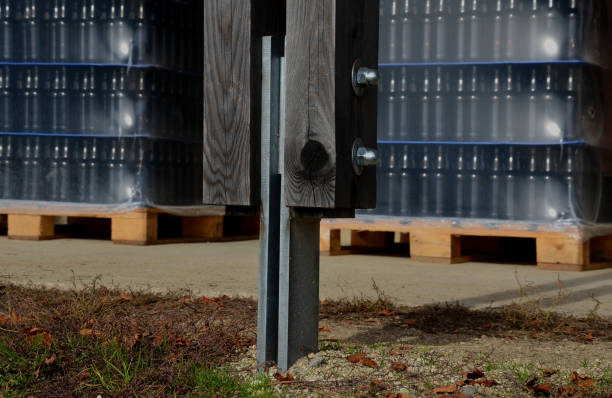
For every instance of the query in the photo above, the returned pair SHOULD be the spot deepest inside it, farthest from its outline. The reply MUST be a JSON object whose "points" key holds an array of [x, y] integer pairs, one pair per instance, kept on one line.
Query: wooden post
{"points": [[324, 116], [233, 31]]}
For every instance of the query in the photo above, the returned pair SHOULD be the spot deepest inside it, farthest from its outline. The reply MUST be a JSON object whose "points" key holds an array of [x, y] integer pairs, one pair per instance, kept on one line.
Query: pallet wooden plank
{"points": [[30, 227], [434, 246], [137, 228], [324, 116], [571, 248], [561, 251], [203, 227]]}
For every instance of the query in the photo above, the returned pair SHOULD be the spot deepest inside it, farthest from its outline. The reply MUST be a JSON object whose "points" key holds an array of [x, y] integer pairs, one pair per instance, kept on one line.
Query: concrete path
{"points": [[231, 268]]}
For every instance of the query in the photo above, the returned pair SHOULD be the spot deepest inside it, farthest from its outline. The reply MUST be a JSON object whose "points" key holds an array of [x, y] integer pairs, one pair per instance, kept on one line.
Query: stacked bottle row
{"points": [[100, 170], [113, 101], [136, 32], [533, 183], [490, 30], [491, 103]]}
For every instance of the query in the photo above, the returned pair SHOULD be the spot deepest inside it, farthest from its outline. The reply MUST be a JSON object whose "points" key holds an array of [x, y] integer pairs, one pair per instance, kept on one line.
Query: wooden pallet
{"points": [[137, 227], [553, 247]]}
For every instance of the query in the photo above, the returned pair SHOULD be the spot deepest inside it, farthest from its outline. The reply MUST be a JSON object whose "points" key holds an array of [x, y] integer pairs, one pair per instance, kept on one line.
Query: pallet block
{"points": [[139, 227], [572, 248]]}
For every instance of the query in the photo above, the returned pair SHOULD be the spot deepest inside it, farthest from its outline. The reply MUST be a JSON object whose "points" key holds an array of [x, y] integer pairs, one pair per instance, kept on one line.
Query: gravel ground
{"points": [[390, 360]]}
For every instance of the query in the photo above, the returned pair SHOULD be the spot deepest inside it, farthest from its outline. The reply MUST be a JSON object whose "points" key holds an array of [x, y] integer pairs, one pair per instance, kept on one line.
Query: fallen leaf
{"points": [[205, 299], [181, 342], [398, 395], [283, 379], [531, 383], [473, 375], [409, 321], [543, 388], [566, 392], [487, 382], [51, 360], [393, 352], [324, 329], [548, 372], [324, 302], [582, 381], [386, 313], [399, 367], [368, 362], [38, 333], [125, 296], [356, 357], [446, 389], [4, 319], [373, 320], [83, 376], [15, 317], [86, 332], [589, 337]]}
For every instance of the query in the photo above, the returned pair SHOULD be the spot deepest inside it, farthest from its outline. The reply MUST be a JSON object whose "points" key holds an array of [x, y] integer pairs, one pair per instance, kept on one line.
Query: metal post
{"points": [[298, 286], [267, 316], [288, 310]]}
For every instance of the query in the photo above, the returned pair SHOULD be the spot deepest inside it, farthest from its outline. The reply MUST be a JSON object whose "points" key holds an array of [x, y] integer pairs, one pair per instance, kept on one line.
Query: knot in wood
{"points": [[314, 157]]}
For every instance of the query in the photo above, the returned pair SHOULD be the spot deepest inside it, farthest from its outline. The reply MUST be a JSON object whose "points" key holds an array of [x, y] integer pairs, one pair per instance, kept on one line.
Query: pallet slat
{"points": [[568, 248], [138, 227]]}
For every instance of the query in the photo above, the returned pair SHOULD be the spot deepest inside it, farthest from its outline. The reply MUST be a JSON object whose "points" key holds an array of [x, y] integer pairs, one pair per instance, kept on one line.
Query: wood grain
{"points": [[232, 74], [323, 116]]}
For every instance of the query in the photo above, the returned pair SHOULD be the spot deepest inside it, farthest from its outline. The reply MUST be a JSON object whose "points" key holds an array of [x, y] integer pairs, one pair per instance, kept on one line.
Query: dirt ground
{"points": [[231, 268], [112, 343]]}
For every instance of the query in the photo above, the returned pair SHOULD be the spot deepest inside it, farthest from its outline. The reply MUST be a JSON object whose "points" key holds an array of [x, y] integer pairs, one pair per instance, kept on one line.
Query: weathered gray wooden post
{"points": [[301, 126], [330, 122]]}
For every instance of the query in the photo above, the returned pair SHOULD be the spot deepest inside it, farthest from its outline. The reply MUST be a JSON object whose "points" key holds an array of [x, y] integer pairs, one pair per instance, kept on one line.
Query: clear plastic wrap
{"points": [[101, 104], [494, 110]]}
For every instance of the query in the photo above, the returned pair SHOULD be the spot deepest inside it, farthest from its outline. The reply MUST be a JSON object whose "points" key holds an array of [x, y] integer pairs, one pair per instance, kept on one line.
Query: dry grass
{"points": [[103, 341]]}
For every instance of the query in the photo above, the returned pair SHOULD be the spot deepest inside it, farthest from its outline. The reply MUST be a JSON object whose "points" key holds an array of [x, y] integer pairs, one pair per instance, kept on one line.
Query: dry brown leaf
{"points": [[393, 352], [15, 317], [386, 313], [446, 389], [399, 367], [324, 329], [487, 382], [373, 320], [566, 391], [324, 302], [283, 378], [398, 395], [35, 332], [409, 321], [589, 337], [543, 388], [368, 362], [86, 332], [82, 376], [548, 372], [531, 383], [125, 297], [473, 375], [356, 357], [182, 342], [4, 319], [51, 360]]}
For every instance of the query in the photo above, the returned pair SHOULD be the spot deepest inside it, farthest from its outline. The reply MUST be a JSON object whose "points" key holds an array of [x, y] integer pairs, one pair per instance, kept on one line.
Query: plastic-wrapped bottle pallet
{"points": [[100, 102], [494, 109]]}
